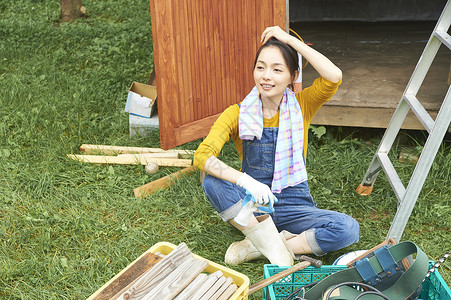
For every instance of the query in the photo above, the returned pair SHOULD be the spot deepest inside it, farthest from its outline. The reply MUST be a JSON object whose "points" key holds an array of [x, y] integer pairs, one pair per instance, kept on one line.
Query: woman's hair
{"points": [[288, 53]]}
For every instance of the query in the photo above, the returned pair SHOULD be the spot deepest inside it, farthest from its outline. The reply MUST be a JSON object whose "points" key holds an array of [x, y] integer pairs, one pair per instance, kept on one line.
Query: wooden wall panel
{"points": [[203, 55]]}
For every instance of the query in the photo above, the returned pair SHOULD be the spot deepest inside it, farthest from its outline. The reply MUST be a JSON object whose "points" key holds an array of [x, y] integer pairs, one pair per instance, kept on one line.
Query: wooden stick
{"points": [[161, 183], [211, 279], [126, 277], [228, 292], [261, 284], [112, 150], [131, 160], [154, 276], [192, 287], [221, 290], [213, 289], [168, 288], [151, 155]]}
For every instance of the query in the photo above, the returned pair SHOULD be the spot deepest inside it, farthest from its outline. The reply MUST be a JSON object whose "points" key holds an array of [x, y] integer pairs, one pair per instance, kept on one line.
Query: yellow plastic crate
{"points": [[241, 280], [111, 287]]}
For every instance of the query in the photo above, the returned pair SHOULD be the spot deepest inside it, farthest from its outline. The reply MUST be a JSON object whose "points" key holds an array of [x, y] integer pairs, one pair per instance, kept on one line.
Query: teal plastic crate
{"points": [[434, 287]]}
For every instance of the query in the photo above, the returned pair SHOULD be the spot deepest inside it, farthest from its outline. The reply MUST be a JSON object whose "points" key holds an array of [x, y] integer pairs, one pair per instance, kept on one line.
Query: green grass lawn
{"points": [[66, 227]]}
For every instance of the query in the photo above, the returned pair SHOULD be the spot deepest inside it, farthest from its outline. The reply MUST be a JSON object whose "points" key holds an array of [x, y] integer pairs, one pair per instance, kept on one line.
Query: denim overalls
{"points": [[295, 211]]}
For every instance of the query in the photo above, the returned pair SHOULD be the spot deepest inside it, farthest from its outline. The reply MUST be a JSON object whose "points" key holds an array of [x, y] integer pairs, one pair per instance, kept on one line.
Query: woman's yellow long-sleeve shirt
{"points": [[226, 126]]}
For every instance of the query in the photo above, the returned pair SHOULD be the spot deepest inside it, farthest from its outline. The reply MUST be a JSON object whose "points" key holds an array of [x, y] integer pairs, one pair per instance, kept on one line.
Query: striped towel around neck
{"points": [[289, 168]]}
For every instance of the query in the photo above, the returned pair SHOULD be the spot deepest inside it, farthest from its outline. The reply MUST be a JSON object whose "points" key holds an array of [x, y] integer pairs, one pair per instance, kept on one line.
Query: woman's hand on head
{"points": [[276, 32], [321, 63]]}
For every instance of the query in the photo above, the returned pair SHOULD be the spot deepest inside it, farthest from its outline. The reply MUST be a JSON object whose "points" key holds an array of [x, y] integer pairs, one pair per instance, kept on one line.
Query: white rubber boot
{"points": [[262, 240], [242, 251]]}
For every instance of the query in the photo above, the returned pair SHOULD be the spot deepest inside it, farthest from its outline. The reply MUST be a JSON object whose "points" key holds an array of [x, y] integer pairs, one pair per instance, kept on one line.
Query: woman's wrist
{"points": [[294, 41], [243, 179]]}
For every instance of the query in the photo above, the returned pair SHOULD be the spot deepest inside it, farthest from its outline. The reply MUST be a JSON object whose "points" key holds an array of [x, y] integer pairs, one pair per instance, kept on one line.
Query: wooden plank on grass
{"points": [[112, 150], [126, 159], [127, 276], [161, 183], [151, 155]]}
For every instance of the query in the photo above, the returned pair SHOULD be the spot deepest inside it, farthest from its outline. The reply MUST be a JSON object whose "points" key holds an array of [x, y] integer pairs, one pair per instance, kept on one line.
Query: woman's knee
{"points": [[349, 229], [208, 183], [213, 187], [339, 233], [221, 194]]}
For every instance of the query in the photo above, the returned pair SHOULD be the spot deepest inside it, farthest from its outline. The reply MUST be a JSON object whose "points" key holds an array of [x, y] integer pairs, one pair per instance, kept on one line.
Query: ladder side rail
{"points": [[423, 65], [436, 135], [444, 21], [422, 168], [394, 127], [433, 44], [373, 171], [412, 88], [387, 141], [417, 78]]}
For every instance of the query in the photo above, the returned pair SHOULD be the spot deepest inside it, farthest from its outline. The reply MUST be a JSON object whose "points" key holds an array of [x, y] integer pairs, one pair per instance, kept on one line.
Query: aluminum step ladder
{"points": [[437, 129]]}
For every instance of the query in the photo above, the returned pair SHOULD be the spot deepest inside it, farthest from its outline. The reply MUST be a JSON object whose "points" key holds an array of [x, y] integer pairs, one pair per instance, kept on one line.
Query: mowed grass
{"points": [[66, 227]]}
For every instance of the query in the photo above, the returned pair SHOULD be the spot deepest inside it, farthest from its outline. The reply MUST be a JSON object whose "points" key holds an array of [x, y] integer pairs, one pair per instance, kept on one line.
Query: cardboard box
{"points": [[141, 103], [141, 100], [141, 126]]}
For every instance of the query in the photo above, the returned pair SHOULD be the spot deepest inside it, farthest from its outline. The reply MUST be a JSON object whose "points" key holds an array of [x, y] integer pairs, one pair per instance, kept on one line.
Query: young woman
{"points": [[270, 129]]}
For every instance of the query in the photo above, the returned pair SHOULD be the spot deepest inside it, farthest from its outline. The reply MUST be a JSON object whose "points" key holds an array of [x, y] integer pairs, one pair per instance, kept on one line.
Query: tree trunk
{"points": [[71, 10]]}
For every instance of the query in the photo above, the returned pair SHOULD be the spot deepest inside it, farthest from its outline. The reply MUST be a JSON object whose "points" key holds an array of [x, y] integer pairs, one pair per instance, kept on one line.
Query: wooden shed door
{"points": [[203, 56]]}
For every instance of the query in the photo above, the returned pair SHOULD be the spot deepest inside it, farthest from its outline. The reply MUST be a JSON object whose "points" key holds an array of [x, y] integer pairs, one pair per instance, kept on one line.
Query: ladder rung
{"points": [[420, 112], [392, 176], [443, 37]]}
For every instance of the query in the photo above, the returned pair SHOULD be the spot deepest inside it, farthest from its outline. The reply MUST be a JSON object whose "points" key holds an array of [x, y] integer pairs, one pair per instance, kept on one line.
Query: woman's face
{"points": [[271, 74]]}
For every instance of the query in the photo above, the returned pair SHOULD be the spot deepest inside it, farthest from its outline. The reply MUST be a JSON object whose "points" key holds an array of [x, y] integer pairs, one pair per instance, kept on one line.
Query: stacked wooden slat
{"points": [[133, 155], [212, 287], [178, 275], [121, 155]]}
